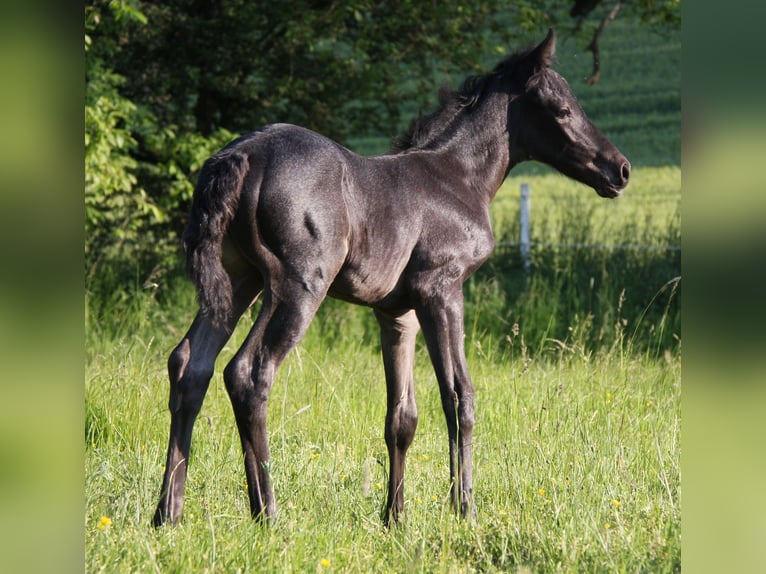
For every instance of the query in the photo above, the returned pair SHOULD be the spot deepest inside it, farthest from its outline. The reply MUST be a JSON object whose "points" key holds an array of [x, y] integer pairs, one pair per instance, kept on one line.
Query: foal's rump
{"points": [[277, 195], [296, 201]]}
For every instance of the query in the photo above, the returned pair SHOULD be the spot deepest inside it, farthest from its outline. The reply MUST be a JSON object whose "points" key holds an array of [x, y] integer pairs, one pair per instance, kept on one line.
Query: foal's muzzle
{"points": [[616, 174]]}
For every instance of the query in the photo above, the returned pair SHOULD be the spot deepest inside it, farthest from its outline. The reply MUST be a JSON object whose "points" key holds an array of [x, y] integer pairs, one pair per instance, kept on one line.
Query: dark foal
{"points": [[292, 216]]}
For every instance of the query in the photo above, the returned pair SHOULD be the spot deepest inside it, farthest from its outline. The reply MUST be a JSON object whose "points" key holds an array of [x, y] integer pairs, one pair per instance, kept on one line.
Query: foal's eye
{"points": [[562, 113]]}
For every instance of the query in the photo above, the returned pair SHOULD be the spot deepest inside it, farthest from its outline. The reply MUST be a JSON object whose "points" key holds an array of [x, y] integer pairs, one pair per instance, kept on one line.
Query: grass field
{"points": [[576, 465], [576, 444], [588, 255]]}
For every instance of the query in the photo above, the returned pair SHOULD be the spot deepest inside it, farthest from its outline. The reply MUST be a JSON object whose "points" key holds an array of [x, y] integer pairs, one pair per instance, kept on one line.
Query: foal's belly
{"points": [[369, 283]]}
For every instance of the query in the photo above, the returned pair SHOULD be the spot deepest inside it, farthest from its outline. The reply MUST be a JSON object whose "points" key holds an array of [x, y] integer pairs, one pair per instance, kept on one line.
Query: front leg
{"points": [[441, 319], [397, 341]]}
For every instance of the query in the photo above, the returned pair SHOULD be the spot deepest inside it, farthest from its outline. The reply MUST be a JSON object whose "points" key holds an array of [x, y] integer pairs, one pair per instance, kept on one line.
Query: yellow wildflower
{"points": [[325, 563], [104, 522], [616, 503]]}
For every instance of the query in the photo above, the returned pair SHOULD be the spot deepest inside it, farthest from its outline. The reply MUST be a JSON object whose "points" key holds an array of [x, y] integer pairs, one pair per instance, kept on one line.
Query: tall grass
{"points": [[601, 271], [577, 373], [576, 465]]}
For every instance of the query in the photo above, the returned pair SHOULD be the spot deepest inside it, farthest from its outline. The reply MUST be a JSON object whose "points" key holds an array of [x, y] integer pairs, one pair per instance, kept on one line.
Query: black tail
{"points": [[215, 200]]}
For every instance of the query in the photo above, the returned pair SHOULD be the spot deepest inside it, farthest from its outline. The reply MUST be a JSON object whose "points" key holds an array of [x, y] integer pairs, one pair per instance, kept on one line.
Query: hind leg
{"points": [[190, 368], [280, 325]]}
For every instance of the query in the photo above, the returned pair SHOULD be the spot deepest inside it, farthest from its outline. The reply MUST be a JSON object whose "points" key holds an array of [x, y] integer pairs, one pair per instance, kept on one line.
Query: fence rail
{"points": [[525, 242]]}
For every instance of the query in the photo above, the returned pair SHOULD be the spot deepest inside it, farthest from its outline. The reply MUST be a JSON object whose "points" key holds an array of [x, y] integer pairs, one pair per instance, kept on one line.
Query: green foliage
{"points": [[137, 186], [336, 68], [117, 209], [659, 13]]}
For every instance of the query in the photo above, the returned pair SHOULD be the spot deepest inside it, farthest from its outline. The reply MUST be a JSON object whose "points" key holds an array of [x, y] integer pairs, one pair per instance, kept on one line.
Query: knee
{"points": [[236, 377], [178, 361], [409, 424], [466, 415], [187, 371], [404, 422], [247, 388], [189, 380]]}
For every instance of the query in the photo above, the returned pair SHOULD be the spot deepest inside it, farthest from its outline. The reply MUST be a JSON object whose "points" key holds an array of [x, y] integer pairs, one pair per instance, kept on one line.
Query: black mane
{"points": [[425, 128]]}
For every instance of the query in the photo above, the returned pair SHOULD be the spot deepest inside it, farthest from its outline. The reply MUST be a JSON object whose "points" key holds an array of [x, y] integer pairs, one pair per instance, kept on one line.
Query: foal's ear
{"points": [[544, 53], [538, 58]]}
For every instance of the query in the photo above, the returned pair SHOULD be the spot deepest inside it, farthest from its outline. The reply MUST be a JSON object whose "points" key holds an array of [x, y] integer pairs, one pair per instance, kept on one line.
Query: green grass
{"points": [[581, 295], [576, 466], [577, 374]]}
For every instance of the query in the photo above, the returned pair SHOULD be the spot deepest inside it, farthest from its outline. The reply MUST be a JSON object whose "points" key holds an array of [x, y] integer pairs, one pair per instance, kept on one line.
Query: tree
{"points": [[651, 12], [124, 221], [113, 197]]}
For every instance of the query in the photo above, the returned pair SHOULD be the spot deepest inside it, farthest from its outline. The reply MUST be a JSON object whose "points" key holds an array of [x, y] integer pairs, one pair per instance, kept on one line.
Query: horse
{"points": [[289, 216]]}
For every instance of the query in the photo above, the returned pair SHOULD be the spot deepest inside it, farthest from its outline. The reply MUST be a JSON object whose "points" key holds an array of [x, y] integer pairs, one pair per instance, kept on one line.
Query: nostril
{"points": [[625, 171]]}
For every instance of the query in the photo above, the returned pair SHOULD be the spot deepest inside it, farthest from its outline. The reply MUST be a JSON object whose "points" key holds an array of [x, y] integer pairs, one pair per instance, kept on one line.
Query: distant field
{"points": [[637, 102], [649, 208]]}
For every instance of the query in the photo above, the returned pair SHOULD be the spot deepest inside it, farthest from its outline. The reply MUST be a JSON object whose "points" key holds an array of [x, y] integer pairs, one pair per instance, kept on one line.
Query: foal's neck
{"points": [[480, 147]]}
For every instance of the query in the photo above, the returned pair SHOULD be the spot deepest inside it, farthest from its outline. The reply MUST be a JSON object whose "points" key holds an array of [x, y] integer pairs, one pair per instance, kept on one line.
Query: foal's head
{"points": [[551, 127]]}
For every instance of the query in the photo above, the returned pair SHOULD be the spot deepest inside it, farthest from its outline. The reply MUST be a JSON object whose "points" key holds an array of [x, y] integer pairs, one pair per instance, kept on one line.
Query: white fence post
{"points": [[524, 243]]}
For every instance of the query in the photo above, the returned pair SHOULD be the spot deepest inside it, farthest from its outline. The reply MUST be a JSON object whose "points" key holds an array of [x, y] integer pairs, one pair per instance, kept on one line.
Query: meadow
{"points": [[576, 367]]}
